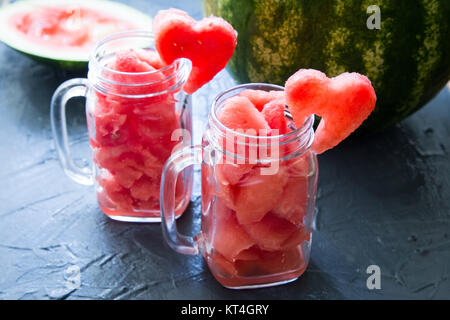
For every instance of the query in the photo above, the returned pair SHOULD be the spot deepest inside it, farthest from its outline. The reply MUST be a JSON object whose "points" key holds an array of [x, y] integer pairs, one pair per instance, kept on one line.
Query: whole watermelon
{"points": [[407, 59]]}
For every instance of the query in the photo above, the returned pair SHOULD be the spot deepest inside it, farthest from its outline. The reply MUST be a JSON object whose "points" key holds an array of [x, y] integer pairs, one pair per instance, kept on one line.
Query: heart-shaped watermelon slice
{"points": [[208, 43], [343, 102]]}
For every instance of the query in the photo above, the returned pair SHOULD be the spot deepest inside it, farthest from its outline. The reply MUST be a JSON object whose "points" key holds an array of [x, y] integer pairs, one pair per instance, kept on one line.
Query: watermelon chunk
{"points": [[144, 189], [208, 43], [229, 238], [260, 98], [239, 113], [220, 265], [293, 203], [257, 194], [151, 57], [129, 61], [273, 112], [224, 190], [343, 102], [270, 263], [230, 173], [117, 195], [135, 68], [271, 232], [110, 129], [127, 175]]}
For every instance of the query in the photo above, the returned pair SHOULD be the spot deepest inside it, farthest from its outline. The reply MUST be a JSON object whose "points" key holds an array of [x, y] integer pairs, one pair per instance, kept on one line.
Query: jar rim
{"points": [[213, 113], [304, 134]]}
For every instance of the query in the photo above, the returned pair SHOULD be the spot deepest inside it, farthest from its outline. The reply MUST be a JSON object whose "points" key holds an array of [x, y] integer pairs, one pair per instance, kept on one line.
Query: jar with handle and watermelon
{"points": [[137, 112], [258, 191]]}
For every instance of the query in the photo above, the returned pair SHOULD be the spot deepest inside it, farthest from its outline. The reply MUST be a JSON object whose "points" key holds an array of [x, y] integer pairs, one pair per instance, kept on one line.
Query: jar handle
{"points": [[67, 90], [179, 161]]}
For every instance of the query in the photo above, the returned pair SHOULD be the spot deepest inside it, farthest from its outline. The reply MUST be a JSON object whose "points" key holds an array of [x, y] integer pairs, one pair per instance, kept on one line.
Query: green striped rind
{"points": [[72, 65], [407, 60]]}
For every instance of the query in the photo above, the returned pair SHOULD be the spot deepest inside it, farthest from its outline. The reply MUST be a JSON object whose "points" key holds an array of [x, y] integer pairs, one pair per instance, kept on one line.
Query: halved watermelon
{"points": [[63, 33]]}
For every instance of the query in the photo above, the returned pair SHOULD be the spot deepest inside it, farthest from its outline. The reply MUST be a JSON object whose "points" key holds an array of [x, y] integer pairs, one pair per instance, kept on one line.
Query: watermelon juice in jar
{"points": [[258, 190], [137, 112]]}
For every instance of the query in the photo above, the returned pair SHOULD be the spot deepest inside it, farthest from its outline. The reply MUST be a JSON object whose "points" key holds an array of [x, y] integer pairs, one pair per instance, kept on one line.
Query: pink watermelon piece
{"points": [[151, 57], [229, 238], [150, 81], [145, 188], [130, 61], [296, 238], [260, 98], [343, 102], [257, 194], [293, 202], [270, 263], [273, 112], [115, 193], [110, 129], [281, 261], [232, 173], [271, 232], [239, 113], [208, 43], [224, 190], [117, 158], [220, 265], [126, 176], [149, 205], [250, 254]]}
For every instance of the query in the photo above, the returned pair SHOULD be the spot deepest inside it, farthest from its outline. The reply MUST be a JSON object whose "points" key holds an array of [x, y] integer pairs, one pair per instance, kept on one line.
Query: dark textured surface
{"points": [[382, 200]]}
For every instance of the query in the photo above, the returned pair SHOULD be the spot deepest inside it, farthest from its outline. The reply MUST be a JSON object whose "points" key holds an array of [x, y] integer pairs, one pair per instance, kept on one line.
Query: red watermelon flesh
{"points": [[111, 129], [220, 265], [151, 57], [250, 254], [229, 238], [208, 43], [144, 189], [238, 113], [299, 236], [224, 190], [260, 98], [116, 195], [127, 176], [293, 202], [133, 137], [270, 263], [343, 102], [232, 173], [257, 194], [137, 76], [273, 112], [271, 232]]}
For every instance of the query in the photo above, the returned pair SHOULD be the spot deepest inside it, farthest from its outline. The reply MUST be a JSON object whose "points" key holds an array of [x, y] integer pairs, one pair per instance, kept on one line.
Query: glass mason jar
{"points": [[135, 120], [258, 200]]}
